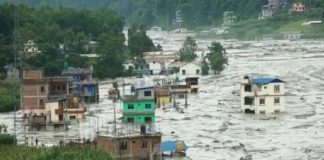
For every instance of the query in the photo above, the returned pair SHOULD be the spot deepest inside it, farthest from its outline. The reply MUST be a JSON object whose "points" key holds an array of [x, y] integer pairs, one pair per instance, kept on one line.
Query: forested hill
{"points": [[162, 12]]}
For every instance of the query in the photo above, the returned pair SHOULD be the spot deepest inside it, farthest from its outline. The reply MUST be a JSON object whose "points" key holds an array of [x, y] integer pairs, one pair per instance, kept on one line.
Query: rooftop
{"points": [[173, 146], [265, 80]]}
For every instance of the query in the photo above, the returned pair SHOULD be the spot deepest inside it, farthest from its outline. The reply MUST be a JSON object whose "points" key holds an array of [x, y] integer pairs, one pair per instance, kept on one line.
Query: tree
{"points": [[138, 41], [187, 52], [217, 56]]}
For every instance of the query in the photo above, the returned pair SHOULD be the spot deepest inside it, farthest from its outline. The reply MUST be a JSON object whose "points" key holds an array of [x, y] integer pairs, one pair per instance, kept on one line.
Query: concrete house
{"points": [[140, 108], [142, 146], [186, 68], [297, 8], [262, 95], [85, 87]]}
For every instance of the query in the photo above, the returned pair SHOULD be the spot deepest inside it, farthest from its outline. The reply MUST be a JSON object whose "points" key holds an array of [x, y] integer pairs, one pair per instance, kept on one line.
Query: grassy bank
{"points": [[12, 152]]}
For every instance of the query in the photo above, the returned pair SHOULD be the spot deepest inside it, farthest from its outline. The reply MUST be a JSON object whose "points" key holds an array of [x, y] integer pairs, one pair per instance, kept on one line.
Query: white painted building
{"points": [[190, 69], [262, 95], [155, 68]]}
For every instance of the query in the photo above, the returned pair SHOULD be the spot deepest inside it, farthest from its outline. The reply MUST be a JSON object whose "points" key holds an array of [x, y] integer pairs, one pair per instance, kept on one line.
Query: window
{"points": [[148, 106], [262, 101], [183, 72], [277, 100], [248, 101], [42, 89], [72, 117], [277, 111], [247, 88], [123, 146], [144, 144], [58, 88], [262, 112], [277, 88], [130, 120], [148, 119], [130, 106], [63, 88], [147, 93], [41, 102], [197, 71]]}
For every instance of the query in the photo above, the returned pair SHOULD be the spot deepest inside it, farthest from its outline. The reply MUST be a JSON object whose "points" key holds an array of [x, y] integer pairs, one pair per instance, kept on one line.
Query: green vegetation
{"points": [[187, 52], [63, 35], [12, 152], [9, 96], [217, 57]]}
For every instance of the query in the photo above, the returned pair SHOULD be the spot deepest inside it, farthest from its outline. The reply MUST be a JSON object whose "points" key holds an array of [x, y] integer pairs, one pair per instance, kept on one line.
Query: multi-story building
{"points": [[262, 95], [140, 108], [45, 99], [297, 7]]}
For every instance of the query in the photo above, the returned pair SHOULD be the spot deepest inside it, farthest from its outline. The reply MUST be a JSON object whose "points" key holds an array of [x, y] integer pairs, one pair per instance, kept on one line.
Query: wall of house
{"points": [[163, 101], [155, 68], [269, 107], [190, 69], [139, 106], [140, 93], [33, 98], [33, 74], [50, 108], [139, 112]]}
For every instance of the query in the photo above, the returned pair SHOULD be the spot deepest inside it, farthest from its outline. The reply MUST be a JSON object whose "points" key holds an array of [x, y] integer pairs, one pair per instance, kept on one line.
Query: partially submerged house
{"points": [[186, 68], [142, 146], [298, 7], [162, 96], [43, 98], [262, 95], [12, 72], [140, 108], [85, 86]]}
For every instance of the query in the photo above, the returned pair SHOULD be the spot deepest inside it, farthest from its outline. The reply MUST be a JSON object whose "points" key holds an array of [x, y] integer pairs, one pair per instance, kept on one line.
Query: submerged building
{"points": [[262, 95], [140, 107]]}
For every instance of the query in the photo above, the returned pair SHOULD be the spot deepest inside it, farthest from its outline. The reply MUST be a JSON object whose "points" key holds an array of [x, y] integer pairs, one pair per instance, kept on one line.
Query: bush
{"points": [[6, 139]]}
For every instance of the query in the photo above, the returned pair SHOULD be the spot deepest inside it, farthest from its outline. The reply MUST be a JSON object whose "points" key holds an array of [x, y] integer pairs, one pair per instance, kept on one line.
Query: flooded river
{"points": [[213, 126]]}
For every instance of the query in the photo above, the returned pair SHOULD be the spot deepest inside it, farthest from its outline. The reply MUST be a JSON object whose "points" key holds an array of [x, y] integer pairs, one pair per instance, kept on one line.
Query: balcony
{"points": [[148, 112]]}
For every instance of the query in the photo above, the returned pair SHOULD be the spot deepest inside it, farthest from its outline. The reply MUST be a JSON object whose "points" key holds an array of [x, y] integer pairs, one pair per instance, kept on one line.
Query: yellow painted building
{"points": [[162, 97]]}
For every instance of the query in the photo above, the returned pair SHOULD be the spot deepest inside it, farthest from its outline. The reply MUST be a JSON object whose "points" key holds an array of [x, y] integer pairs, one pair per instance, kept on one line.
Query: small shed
{"points": [[174, 148]]}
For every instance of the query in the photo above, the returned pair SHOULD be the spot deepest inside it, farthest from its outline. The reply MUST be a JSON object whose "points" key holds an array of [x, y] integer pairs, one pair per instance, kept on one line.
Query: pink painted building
{"points": [[298, 7]]}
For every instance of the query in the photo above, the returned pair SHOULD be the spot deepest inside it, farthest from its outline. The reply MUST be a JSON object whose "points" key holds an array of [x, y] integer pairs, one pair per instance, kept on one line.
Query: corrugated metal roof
{"points": [[172, 146], [265, 80]]}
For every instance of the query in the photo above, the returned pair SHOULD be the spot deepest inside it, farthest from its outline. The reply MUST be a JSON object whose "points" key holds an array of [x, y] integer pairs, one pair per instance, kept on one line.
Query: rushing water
{"points": [[213, 126]]}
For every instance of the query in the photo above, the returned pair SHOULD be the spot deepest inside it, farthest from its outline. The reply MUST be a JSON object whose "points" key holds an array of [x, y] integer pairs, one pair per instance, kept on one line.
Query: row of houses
{"points": [[56, 100], [275, 5], [164, 63]]}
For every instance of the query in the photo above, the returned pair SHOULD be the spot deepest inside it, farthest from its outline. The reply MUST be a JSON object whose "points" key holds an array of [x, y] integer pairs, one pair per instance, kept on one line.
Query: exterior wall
{"points": [[33, 74], [268, 93], [190, 69], [139, 112], [32, 96], [135, 149], [140, 93], [50, 108], [163, 101], [155, 68]]}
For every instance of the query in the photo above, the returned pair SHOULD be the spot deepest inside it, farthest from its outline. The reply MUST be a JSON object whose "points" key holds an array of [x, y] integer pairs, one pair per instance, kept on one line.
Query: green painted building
{"points": [[139, 108]]}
